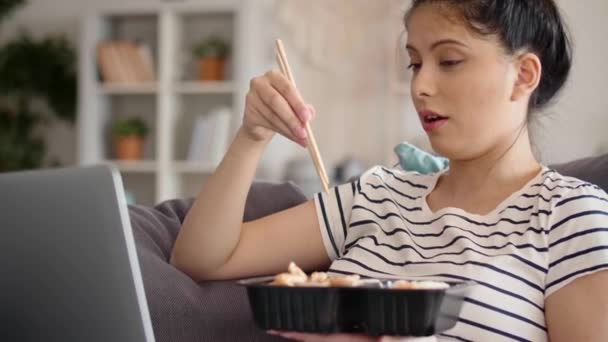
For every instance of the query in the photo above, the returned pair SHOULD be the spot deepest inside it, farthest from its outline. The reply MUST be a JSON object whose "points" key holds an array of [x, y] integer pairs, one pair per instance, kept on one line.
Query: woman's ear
{"points": [[529, 70]]}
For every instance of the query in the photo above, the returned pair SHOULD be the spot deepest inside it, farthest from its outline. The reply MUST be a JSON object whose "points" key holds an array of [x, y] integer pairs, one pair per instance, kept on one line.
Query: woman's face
{"points": [[466, 79]]}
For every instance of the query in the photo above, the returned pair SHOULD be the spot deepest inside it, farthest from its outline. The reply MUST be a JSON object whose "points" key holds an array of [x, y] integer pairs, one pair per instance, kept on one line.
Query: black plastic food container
{"points": [[373, 308]]}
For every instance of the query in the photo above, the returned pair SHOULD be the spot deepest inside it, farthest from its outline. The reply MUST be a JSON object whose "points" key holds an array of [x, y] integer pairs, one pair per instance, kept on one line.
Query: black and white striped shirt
{"points": [[542, 237]]}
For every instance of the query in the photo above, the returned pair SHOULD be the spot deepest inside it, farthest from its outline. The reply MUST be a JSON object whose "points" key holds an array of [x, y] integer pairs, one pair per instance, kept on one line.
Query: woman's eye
{"points": [[414, 66], [450, 63]]}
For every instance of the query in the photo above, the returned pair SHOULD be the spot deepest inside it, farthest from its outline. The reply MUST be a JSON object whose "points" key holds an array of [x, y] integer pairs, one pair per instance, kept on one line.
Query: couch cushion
{"points": [[592, 169], [180, 309]]}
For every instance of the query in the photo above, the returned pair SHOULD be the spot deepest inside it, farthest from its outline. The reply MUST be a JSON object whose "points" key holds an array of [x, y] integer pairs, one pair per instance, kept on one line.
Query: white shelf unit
{"points": [[208, 87], [128, 89], [170, 104], [144, 166]]}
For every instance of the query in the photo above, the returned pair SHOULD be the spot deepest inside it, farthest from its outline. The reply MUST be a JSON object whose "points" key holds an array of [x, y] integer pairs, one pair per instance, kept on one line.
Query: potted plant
{"points": [[8, 6], [32, 70], [128, 136], [37, 87], [211, 54]]}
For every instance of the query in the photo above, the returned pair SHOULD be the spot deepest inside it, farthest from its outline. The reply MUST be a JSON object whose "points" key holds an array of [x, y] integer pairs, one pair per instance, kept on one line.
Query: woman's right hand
{"points": [[273, 104]]}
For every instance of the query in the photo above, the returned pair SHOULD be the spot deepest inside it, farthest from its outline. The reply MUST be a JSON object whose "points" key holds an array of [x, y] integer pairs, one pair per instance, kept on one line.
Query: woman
{"points": [[534, 240]]}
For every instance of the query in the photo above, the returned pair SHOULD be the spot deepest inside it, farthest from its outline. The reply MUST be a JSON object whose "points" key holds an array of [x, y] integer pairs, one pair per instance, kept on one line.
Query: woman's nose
{"points": [[423, 83]]}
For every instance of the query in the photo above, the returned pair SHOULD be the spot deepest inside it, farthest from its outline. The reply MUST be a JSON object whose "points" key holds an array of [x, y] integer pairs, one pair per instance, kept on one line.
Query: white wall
{"points": [[579, 120], [576, 128]]}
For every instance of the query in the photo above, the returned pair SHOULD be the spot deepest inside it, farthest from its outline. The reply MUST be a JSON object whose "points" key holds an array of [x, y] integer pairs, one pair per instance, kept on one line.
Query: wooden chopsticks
{"points": [[312, 144]]}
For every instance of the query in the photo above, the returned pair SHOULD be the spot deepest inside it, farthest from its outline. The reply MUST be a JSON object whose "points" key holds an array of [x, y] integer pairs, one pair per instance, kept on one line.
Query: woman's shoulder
{"points": [[398, 175], [396, 180], [557, 182], [562, 190]]}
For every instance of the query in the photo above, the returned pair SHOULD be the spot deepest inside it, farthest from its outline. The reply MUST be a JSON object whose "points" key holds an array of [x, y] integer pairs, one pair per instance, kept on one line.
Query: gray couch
{"points": [[184, 311]]}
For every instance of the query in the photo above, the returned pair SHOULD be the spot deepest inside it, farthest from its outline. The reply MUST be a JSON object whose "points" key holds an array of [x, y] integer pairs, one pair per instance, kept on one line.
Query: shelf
{"points": [[194, 167], [188, 87], [205, 87], [171, 102], [128, 89], [143, 166]]}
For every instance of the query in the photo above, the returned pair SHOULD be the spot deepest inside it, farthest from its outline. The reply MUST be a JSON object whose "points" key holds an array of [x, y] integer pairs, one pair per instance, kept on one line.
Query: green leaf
{"points": [[20, 147], [40, 69], [8, 6], [212, 47], [129, 127]]}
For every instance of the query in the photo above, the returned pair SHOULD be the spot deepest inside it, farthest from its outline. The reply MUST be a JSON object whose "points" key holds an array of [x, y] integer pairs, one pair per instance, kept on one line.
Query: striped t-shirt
{"points": [[542, 237]]}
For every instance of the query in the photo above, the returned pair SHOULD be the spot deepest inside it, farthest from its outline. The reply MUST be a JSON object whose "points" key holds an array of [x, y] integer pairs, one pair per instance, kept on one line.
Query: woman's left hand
{"points": [[305, 337]]}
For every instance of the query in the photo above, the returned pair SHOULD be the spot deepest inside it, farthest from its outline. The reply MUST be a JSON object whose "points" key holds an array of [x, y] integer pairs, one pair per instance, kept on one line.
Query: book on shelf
{"points": [[210, 136], [125, 62]]}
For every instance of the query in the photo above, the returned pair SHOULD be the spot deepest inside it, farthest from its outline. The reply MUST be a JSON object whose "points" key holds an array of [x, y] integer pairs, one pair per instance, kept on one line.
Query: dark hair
{"points": [[532, 25]]}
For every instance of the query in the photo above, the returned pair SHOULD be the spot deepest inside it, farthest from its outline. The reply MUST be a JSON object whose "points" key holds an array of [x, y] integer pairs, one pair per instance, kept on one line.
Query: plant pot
{"points": [[211, 69], [128, 148]]}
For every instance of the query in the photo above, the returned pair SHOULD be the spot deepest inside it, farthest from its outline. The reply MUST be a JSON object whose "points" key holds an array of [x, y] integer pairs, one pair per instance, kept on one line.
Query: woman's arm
{"points": [[579, 311], [214, 242]]}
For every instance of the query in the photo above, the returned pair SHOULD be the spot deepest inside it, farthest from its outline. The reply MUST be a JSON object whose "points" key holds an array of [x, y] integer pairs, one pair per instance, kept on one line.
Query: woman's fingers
{"points": [[269, 120], [313, 112], [279, 106], [289, 92], [273, 104]]}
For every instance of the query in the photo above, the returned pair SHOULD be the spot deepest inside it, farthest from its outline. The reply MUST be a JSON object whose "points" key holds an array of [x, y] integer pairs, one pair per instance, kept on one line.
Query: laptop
{"points": [[68, 265]]}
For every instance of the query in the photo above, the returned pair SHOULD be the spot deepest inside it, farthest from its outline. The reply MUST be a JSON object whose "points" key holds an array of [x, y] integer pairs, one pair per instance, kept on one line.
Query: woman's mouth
{"points": [[431, 121]]}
